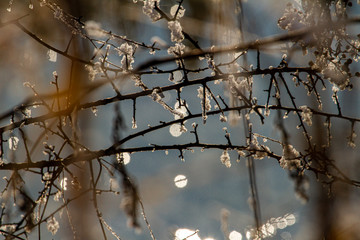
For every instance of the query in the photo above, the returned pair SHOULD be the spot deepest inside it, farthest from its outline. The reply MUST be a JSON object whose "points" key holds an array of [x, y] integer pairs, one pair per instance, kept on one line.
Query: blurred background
{"points": [[215, 197]]}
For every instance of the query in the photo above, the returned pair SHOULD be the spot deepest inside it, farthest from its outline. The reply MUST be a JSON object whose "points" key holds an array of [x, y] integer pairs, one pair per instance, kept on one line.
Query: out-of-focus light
{"points": [[234, 235], [180, 181], [188, 234]]}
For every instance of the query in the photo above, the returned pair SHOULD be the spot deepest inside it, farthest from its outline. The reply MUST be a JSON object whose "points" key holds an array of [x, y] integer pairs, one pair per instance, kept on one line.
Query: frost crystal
{"points": [[290, 159], [155, 95], [47, 176], [13, 143], [240, 86], [53, 225], [351, 141], [225, 159], [133, 123], [223, 118], [306, 115], [176, 31], [176, 50], [207, 100], [181, 109], [127, 51], [93, 70], [261, 151]]}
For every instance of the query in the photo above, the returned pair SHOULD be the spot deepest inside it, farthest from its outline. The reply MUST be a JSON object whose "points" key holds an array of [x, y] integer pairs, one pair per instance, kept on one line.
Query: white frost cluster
{"points": [[156, 95], [222, 118], [180, 13], [207, 99], [261, 151], [127, 51], [225, 159], [354, 51], [53, 225], [149, 9], [93, 70], [176, 31], [176, 50], [93, 29], [13, 143], [290, 159], [240, 85], [335, 75], [181, 109], [292, 19], [306, 115]]}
